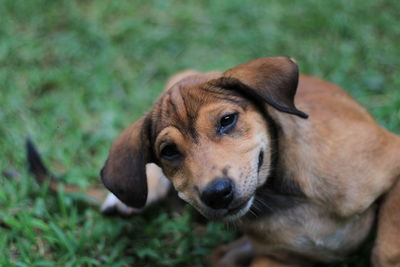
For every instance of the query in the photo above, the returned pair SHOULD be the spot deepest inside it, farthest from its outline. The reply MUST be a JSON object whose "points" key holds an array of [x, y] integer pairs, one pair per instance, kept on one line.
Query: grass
{"points": [[74, 73]]}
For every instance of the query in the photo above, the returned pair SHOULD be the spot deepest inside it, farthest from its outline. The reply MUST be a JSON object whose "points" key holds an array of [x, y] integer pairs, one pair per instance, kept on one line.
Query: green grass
{"points": [[74, 73]]}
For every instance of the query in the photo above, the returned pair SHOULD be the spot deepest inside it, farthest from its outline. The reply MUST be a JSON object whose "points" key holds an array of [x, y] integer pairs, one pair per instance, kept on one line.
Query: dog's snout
{"points": [[218, 194]]}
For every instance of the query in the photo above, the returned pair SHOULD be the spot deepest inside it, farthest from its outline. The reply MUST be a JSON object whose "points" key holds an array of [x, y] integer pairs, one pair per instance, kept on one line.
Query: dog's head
{"points": [[210, 136]]}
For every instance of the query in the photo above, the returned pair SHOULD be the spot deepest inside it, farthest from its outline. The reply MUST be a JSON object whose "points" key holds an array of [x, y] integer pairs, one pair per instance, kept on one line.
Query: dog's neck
{"points": [[279, 192]]}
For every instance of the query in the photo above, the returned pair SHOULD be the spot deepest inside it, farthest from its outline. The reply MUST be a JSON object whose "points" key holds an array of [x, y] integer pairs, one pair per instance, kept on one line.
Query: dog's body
{"points": [[342, 162], [235, 146]]}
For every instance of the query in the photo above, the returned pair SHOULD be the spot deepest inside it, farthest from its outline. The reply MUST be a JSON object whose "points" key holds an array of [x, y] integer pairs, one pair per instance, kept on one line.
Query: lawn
{"points": [[74, 73]]}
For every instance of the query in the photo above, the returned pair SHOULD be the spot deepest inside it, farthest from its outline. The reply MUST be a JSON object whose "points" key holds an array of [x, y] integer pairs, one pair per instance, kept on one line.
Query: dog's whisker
{"points": [[257, 209], [263, 204], [253, 213]]}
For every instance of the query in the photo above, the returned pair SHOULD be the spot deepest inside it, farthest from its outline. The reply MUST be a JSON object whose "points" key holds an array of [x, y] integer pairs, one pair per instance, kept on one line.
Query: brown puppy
{"points": [[235, 146]]}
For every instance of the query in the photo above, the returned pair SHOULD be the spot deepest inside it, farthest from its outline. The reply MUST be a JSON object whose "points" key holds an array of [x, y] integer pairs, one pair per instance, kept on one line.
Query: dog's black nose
{"points": [[218, 194]]}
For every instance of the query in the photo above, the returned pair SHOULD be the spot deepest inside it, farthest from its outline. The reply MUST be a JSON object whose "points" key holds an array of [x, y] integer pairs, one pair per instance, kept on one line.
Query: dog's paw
{"points": [[230, 256], [222, 257], [112, 206]]}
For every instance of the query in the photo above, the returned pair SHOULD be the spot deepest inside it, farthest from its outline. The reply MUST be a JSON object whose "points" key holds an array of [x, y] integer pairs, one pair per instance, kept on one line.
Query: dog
{"points": [[294, 161]]}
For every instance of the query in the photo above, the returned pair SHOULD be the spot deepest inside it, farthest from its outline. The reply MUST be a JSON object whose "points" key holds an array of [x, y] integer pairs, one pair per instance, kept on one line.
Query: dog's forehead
{"points": [[179, 106]]}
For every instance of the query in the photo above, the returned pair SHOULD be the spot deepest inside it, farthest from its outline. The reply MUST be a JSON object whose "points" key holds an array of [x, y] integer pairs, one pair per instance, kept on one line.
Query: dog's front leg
{"points": [[269, 262], [240, 253], [236, 254], [158, 188]]}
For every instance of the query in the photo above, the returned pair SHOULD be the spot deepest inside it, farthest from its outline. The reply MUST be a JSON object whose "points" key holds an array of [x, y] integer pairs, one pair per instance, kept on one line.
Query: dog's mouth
{"points": [[239, 210], [230, 214]]}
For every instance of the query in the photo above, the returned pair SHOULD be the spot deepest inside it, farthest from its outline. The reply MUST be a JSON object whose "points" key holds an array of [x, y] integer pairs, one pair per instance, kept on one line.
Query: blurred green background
{"points": [[74, 73]]}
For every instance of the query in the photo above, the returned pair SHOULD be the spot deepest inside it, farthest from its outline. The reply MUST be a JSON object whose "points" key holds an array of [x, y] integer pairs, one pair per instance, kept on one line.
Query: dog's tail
{"points": [[95, 196]]}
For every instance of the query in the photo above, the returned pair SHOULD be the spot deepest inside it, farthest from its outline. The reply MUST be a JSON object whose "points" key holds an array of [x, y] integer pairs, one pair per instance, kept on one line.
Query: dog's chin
{"points": [[228, 215]]}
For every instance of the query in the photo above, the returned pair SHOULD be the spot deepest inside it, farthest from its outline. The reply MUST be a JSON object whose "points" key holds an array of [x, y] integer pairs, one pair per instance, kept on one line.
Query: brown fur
{"points": [[339, 161], [306, 190]]}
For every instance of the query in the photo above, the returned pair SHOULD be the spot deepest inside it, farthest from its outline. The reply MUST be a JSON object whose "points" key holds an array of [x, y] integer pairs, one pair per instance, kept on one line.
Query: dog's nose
{"points": [[218, 194]]}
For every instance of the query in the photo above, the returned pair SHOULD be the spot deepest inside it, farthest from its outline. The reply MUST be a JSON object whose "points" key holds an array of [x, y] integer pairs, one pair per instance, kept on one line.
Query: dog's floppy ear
{"points": [[273, 80], [124, 172]]}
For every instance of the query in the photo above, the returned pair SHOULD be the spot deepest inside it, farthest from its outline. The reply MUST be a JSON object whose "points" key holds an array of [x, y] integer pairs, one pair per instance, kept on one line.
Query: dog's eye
{"points": [[227, 122], [170, 152]]}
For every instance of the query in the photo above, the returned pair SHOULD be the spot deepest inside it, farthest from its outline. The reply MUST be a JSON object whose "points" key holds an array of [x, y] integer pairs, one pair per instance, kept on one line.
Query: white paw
{"points": [[113, 205]]}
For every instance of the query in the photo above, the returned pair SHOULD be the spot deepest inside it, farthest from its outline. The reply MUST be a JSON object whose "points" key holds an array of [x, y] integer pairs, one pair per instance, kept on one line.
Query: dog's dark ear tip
{"points": [[290, 109], [297, 112], [110, 211], [130, 199], [136, 203], [302, 114]]}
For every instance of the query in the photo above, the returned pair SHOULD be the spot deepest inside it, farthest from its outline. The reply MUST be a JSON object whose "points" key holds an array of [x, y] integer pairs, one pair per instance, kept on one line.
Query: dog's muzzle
{"points": [[221, 198], [219, 193]]}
